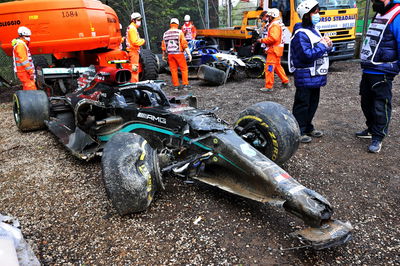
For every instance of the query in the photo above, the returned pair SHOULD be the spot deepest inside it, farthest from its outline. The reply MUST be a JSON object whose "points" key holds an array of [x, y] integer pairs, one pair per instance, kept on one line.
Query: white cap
{"points": [[174, 21], [187, 18], [305, 7], [273, 12], [24, 31], [135, 15]]}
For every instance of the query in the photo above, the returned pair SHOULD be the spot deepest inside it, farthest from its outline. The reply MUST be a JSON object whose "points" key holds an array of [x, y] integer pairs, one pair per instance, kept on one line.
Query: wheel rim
{"points": [[16, 110], [258, 71], [256, 136]]}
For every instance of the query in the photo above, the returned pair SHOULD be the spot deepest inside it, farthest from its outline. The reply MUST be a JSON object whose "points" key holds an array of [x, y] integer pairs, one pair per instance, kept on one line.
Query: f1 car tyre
{"points": [[31, 109], [211, 74], [271, 129], [256, 67], [130, 172], [149, 65]]}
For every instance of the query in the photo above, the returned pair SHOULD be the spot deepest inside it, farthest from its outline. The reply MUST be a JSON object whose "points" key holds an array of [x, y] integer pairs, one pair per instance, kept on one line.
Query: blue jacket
{"points": [[303, 56], [388, 50]]}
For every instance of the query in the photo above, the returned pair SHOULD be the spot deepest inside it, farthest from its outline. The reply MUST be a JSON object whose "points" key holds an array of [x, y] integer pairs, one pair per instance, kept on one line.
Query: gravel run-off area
{"points": [[67, 219]]}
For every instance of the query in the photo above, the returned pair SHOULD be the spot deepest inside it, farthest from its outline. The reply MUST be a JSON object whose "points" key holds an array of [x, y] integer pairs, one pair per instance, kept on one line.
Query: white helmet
{"points": [[187, 18], [305, 7], [273, 12], [136, 15], [24, 31], [174, 21]]}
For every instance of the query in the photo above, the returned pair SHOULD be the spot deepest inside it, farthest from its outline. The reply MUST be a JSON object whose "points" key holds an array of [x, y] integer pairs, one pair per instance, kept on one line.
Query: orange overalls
{"points": [[190, 31], [274, 52], [23, 64], [133, 43], [174, 44]]}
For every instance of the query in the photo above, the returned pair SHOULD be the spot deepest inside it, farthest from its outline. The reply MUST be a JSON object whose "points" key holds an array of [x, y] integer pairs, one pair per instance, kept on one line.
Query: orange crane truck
{"points": [[77, 33]]}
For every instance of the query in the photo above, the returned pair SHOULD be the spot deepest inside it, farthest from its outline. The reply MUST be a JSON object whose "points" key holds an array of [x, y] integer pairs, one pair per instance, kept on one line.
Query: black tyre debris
{"points": [[211, 75], [271, 129], [130, 172], [31, 109]]}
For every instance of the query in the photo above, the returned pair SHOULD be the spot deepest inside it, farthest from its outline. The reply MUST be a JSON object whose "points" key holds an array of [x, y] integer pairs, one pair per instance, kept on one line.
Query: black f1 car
{"points": [[143, 135]]}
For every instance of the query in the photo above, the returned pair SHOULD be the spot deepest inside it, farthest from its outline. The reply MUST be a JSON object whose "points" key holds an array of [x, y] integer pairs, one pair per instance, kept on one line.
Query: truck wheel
{"points": [[271, 129], [68, 62], [31, 109], [211, 75], [131, 173], [40, 61], [256, 67], [161, 64], [149, 65]]}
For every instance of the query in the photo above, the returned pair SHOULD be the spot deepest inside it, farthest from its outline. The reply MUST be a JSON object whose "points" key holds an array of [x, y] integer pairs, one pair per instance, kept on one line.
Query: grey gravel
{"points": [[67, 219]]}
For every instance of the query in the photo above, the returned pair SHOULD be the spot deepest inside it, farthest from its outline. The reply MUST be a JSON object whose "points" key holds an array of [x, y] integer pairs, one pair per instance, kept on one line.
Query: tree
{"points": [[158, 14]]}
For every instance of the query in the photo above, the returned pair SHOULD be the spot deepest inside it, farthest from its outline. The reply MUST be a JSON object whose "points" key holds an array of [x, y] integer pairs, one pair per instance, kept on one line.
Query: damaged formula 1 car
{"points": [[216, 67], [144, 136]]}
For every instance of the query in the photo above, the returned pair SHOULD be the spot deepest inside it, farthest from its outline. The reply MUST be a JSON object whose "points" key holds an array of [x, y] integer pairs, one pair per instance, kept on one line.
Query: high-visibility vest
{"points": [[172, 42], [321, 65], [375, 35], [22, 57], [188, 31], [133, 40]]}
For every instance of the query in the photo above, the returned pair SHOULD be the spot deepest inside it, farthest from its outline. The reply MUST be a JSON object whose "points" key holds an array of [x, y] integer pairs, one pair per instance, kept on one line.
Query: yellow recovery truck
{"points": [[338, 21]]}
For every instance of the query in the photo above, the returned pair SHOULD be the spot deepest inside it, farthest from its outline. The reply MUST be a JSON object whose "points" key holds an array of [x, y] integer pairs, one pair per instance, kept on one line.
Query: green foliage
{"points": [[158, 14], [361, 4]]}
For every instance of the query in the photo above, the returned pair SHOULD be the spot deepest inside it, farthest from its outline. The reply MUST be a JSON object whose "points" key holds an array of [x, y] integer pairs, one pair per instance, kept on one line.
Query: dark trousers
{"points": [[376, 103], [304, 107]]}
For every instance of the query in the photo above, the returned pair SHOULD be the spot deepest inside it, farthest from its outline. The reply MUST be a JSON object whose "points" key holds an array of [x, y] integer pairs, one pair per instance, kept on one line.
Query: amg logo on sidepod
{"points": [[152, 118]]}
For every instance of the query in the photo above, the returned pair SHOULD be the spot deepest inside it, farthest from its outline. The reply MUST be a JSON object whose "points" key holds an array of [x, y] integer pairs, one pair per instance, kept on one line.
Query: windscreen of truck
{"points": [[333, 4]]}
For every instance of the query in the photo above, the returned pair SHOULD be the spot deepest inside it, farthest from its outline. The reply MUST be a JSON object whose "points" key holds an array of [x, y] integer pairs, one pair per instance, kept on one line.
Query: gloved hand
{"points": [[189, 55], [32, 76], [135, 68], [165, 57]]}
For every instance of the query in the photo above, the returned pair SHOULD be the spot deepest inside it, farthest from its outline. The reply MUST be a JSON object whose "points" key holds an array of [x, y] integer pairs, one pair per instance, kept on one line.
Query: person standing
{"points": [[308, 59], [133, 43], [173, 47], [23, 63], [380, 63], [274, 45], [189, 29]]}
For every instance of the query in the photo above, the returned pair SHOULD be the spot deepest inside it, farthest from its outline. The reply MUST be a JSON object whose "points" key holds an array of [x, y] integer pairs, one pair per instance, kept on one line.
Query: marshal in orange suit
{"points": [[23, 63], [174, 44], [274, 50]]}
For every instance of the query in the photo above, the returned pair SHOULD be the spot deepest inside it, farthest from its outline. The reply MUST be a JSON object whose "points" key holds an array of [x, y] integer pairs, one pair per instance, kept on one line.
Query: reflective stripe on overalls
{"points": [[26, 65]]}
